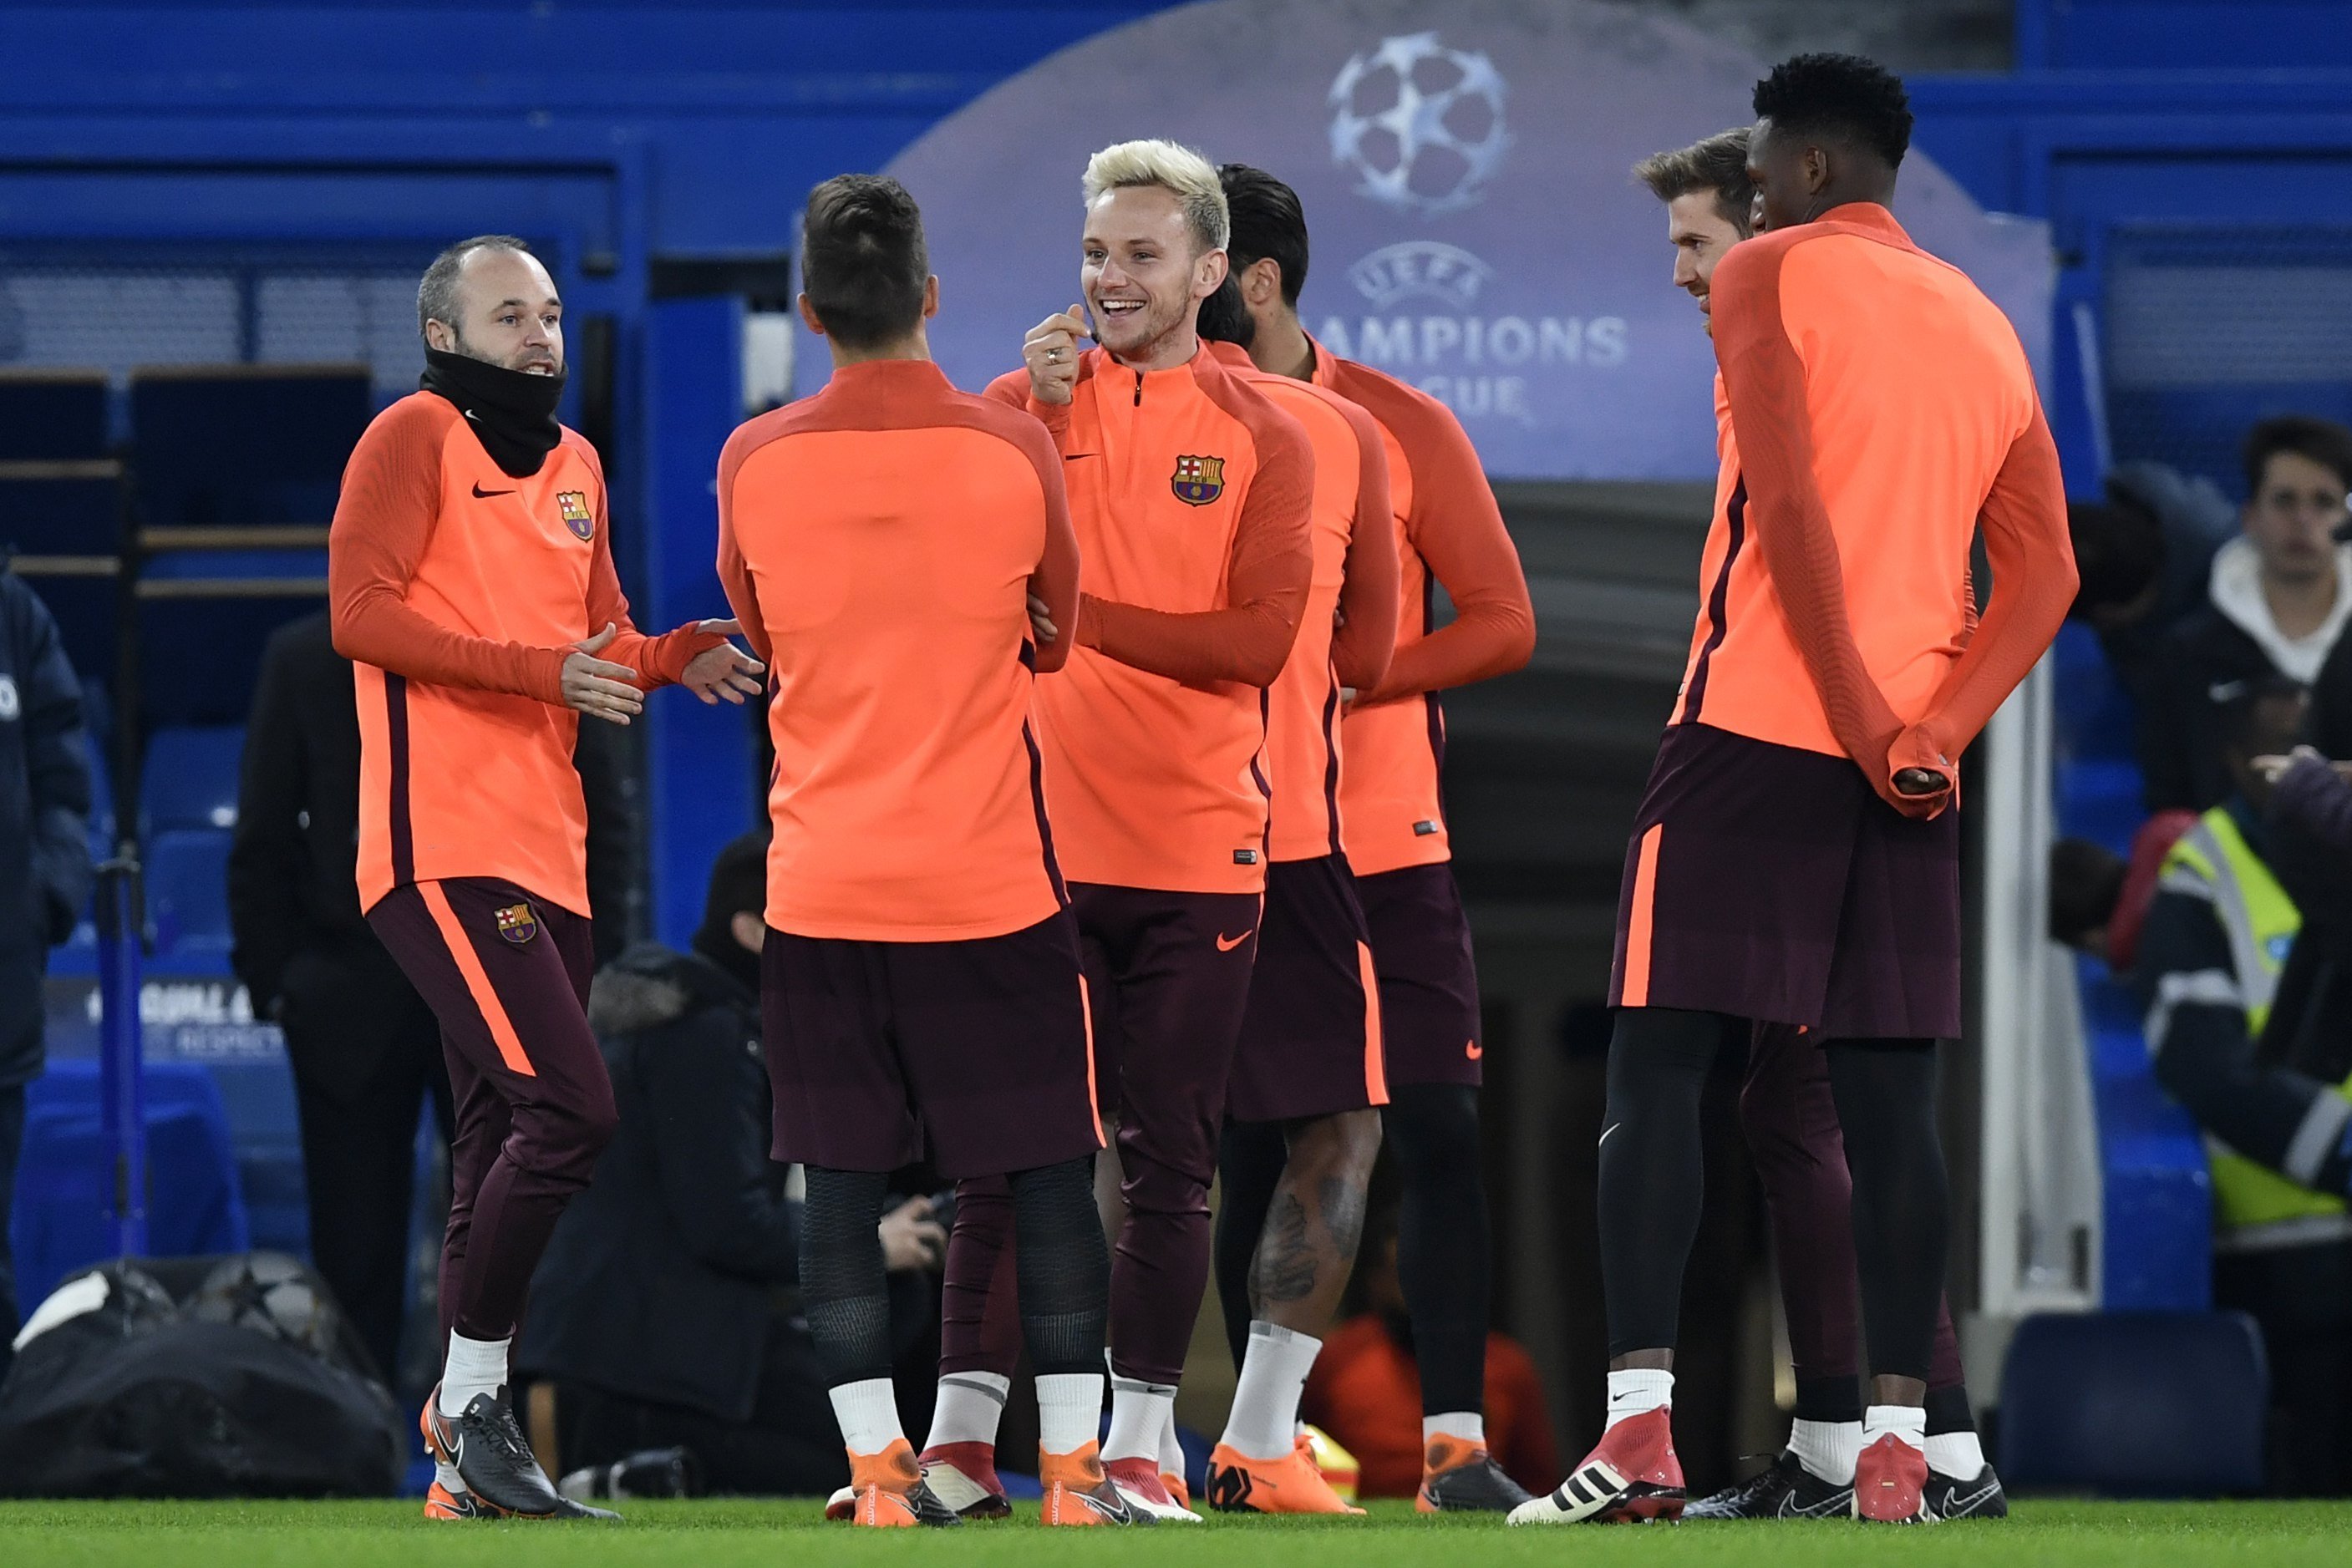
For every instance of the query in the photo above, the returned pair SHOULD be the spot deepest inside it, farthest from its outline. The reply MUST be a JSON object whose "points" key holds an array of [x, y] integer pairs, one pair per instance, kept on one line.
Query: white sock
{"points": [[1956, 1453], [1172, 1452], [868, 1412], [1469, 1425], [1826, 1449], [1070, 1410], [474, 1367], [1908, 1422], [969, 1406], [451, 1481], [1139, 1413], [1637, 1390], [1265, 1420]]}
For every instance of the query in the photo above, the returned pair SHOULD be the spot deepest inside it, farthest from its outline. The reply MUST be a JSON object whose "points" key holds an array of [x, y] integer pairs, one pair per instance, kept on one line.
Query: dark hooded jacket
{"points": [[663, 1277], [45, 868]]}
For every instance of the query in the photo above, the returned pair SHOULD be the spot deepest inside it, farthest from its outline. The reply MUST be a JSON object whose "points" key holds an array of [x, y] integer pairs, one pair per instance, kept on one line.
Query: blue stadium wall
{"points": [[635, 135]]}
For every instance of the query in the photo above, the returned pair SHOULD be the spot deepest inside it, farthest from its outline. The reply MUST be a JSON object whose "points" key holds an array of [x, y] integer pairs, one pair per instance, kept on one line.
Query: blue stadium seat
{"points": [[2095, 718], [2157, 1196], [2134, 1403], [244, 446], [195, 1204], [52, 415], [190, 779], [267, 1133], [61, 514], [187, 900], [226, 603]]}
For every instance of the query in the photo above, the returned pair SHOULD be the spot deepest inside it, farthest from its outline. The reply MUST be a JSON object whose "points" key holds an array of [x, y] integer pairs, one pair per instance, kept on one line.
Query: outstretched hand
{"points": [[725, 670], [599, 687]]}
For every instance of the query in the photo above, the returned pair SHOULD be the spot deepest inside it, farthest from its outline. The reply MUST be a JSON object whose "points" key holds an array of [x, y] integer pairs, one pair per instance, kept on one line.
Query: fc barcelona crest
{"points": [[573, 505], [517, 923], [1198, 480]]}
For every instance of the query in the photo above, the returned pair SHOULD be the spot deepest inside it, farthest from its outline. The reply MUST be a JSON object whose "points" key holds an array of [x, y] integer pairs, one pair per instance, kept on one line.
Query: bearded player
{"points": [[1303, 1120], [471, 583], [1190, 496], [1796, 858], [1450, 534], [1785, 1107]]}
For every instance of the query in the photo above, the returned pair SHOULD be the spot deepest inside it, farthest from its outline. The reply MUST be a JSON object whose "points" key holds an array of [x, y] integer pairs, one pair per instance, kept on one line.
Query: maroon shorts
{"points": [[506, 973], [1770, 883], [1429, 985], [1310, 1042], [1169, 976], [973, 1054]]}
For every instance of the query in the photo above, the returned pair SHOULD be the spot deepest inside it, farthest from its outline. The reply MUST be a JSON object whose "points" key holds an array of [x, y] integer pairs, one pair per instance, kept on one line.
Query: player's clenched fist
{"points": [[1051, 352]]}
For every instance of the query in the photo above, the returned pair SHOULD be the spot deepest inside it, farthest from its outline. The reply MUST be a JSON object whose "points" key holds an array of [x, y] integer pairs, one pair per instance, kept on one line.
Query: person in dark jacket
{"points": [[665, 1310], [364, 1048], [2278, 598], [44, 870]]}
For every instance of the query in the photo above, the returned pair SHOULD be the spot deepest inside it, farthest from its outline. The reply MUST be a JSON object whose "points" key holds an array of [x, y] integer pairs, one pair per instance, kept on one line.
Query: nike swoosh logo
{"points": [[1474, 1050], [482, 494], [1227, 944], [1960, 1507], [1606, 1131], [1837, 1504], [1074, 456]]}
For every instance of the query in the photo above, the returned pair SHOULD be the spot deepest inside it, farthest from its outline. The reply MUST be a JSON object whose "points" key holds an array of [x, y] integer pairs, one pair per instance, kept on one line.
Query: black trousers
{"points": [[12, 1145], [2302, 1297], [366, 1054], [790, 1446]]}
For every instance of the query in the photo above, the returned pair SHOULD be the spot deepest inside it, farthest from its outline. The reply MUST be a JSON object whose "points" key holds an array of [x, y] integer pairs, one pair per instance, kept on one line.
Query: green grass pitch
{"points": [[724, 1534]]}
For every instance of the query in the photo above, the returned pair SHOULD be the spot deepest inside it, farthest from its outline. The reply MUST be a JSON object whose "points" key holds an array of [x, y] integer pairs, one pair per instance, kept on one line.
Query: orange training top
{"points": [[1191, 495], [1355, 587], [457, 590], [1450, 533], [879, 541], [1881, 407]]}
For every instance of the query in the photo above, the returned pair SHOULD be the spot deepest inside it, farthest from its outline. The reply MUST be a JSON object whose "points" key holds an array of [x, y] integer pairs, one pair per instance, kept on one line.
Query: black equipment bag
{"points": [[183, 1377]]}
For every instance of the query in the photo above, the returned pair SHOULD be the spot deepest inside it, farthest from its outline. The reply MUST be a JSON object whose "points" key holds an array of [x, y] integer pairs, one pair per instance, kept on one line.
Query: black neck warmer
{"points": [[512, 413]]}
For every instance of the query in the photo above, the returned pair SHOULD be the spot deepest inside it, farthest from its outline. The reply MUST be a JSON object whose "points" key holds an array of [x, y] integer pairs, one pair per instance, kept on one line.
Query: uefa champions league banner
{"points": [[1464, 167]]}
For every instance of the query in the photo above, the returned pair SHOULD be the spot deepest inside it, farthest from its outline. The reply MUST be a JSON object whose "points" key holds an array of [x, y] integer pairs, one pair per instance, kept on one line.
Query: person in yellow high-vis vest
{"points": [[2217, 940]]}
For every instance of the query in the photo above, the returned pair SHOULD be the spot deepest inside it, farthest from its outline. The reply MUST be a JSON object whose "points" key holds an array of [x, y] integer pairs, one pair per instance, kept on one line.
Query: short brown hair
{"points": [[1719, 163], [862, 259], [2323, 440]]}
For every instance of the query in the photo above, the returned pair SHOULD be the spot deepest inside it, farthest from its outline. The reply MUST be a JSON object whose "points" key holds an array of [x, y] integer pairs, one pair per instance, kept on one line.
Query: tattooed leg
{"points": [[1309, 1246]]}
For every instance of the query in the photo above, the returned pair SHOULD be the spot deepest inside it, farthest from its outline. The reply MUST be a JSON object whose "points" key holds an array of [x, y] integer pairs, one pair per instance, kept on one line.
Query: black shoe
{"points": [[928, 1509], [576, 1510], [486, 1446], [1947, 1496], [1785, 1489], [1474, 1484]]}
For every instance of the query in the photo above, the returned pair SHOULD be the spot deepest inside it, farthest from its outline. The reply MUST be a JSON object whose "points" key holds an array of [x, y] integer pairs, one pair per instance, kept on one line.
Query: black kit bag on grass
{"points": [[183, 1377]]}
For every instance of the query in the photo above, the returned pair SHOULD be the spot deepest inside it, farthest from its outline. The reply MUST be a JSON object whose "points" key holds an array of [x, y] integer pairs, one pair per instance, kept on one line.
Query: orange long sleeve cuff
{"points": [[1456, 528], [2034, 583], [1365, 642]]}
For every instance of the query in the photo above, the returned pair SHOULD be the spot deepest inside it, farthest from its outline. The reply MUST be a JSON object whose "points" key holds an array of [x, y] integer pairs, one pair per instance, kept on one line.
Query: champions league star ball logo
{"points": [[1420, 124]]}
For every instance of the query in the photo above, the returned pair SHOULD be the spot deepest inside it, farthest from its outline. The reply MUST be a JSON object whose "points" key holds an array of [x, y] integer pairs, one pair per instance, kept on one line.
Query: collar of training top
{"points": [[511, 413]]}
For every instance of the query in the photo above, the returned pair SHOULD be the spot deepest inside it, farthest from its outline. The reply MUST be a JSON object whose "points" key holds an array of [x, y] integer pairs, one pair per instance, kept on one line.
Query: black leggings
{"points": [[1443, 1265], [1064, 1270], [1653, 1180]]}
